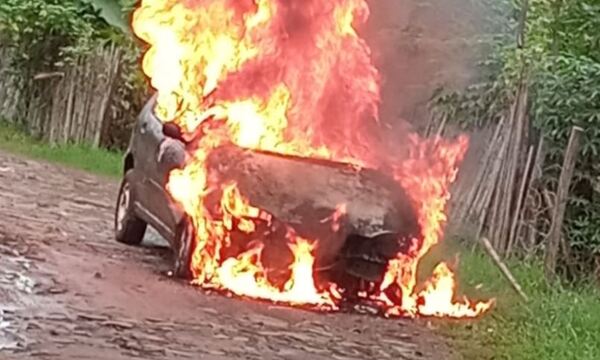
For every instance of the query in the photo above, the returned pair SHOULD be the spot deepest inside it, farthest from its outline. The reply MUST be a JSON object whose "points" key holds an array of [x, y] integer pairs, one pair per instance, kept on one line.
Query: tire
{"points": [[129, 229], [183, 250]]}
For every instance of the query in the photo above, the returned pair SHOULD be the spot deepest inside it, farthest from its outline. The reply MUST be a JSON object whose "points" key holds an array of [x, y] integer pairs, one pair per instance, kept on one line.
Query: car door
{"points": [[154, 197]]}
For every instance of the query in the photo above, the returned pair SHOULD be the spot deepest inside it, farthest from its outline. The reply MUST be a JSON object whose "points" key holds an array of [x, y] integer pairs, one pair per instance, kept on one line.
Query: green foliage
{"points": [[561, 26], [558, 323], [41, 30], [485, 101], [39, 36], [561, 57], [568, 94], [113, 12], [99, 161]]}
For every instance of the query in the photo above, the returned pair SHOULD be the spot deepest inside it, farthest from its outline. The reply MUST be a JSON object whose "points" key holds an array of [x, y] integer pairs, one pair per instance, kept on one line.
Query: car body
{"points": [[375, 217]]}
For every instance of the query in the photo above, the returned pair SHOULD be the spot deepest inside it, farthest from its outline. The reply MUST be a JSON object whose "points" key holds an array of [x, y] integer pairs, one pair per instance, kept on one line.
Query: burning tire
{"points": [[184, 239], [129, 228]]}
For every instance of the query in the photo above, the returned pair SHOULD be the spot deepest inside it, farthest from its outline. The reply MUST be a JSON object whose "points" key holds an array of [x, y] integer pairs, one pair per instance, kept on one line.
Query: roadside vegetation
{"points": [[559, 322], [557, 56], [95, 160], [57, 54]]}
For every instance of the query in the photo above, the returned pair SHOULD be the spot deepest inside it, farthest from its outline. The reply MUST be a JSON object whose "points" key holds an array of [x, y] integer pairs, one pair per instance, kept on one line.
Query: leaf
{"points": [[112, 12]]}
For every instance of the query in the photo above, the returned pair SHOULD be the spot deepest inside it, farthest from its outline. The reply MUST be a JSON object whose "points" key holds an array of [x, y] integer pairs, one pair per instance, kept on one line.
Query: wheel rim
{"points": [[123, 206]]}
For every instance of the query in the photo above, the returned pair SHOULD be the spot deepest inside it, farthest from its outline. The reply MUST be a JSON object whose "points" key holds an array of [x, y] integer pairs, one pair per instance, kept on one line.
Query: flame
{"points": [[438, 297], [292, 77], [427, 175], [245, 276]]}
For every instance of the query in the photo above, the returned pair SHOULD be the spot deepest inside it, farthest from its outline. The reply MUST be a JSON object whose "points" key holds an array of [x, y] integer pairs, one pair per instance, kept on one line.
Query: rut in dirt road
{"points": [[69, 291]]}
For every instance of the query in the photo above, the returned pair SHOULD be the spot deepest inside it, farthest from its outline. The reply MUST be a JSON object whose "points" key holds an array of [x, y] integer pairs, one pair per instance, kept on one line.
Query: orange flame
{"points": [[438, 297], [291, 77], [427, 175], [245, 276]]}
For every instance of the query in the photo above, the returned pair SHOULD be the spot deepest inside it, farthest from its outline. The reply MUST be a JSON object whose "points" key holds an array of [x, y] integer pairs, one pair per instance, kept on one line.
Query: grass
{"points": [[84, 157], [559, 322]]}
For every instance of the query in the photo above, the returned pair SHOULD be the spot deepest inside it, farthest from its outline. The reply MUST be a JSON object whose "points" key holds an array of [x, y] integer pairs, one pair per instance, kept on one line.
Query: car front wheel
{"points": [[129, 229]]}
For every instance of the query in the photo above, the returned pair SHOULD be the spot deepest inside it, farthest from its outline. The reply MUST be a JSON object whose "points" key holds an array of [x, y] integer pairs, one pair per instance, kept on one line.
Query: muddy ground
{"points": [[69, 291]]}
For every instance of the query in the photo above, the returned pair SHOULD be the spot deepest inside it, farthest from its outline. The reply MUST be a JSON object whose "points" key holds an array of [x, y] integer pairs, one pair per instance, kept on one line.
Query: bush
{"points": [[562, 57], [41, 36], [42, 31], [568, 94]]}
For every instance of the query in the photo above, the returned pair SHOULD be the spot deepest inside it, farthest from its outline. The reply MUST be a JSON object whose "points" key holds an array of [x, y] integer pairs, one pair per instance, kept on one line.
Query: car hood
{"points": [[305, 193]]}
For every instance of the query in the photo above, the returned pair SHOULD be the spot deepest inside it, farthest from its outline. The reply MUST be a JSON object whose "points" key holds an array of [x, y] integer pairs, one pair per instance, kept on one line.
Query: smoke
{"points": [[419, 46]]}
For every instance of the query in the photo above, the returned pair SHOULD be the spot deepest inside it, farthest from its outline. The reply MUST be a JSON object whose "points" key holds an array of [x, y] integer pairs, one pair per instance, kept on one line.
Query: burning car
{"points": [[361, 217], [262, 159]]}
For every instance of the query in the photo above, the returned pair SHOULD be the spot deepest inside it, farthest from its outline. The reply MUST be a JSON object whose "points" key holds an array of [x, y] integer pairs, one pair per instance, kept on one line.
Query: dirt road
{"points": [[69, 291]]}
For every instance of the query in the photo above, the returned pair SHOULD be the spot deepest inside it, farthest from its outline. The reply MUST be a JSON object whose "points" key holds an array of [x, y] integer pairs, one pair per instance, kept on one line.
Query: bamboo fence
{"points": [[66, 106]]}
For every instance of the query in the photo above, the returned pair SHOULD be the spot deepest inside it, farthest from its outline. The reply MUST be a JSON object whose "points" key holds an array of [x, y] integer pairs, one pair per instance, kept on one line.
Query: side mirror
{"points": [[173, 131]]}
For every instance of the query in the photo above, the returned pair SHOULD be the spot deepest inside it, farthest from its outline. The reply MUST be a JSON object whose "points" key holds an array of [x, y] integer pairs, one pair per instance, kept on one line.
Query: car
{"points": [[376, 216]]}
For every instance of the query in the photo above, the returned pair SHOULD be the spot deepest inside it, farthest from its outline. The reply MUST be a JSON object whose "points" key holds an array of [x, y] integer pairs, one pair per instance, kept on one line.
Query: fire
{"points": [[291, 77], [437, 298], [244, 276], [428, 173]]}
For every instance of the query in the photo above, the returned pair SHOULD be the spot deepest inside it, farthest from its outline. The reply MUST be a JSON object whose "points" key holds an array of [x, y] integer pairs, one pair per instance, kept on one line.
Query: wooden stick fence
{"points": [[68, 106]]}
